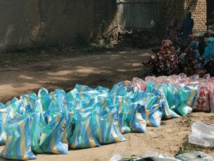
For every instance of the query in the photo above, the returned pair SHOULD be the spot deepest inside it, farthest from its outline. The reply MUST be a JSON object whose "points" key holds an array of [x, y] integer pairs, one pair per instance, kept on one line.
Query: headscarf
{"points": [[194, 45], [209, 50], [166, 42], [189, 15]]}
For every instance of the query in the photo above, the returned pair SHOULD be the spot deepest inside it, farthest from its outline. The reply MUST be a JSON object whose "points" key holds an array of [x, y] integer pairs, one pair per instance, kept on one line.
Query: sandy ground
{"points": [[94, 69]]}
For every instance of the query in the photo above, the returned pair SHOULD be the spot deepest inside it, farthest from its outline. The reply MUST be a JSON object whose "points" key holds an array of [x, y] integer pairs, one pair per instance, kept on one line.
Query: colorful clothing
{"points": [[209, 56], [165, 60], [209, 50]]}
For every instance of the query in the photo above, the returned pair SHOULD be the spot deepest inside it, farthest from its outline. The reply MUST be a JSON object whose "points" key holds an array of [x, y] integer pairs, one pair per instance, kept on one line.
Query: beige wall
{"points": [[199, 14]]}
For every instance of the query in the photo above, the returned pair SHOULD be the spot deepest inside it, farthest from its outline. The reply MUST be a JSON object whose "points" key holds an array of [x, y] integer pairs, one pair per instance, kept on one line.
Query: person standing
{"points": [[188, 24]]}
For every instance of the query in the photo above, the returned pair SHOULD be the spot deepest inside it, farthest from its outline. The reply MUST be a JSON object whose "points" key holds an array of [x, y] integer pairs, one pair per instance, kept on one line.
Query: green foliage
{"points": [[81, 40], [187, 147], [82, 45], [35, 47], [21, 49]]}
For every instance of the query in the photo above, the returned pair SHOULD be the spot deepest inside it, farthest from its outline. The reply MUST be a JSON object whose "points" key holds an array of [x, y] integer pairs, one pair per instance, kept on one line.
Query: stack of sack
{"points": [[53, 122]]}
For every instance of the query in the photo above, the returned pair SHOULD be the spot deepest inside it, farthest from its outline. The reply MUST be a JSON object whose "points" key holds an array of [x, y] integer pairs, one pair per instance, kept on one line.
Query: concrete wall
{"points": [[29, 22]]}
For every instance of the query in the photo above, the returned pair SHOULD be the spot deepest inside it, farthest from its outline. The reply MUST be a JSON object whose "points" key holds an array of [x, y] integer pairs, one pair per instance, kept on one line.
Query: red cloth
{"points": [[191, 36]]}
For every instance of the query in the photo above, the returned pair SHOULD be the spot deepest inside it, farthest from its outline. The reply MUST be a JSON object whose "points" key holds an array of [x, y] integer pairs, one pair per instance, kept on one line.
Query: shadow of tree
{"points": [[64, 72]]}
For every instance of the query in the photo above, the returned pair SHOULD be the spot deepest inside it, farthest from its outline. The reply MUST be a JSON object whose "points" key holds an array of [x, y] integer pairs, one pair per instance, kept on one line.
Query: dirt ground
{"points": [[27, 72]]}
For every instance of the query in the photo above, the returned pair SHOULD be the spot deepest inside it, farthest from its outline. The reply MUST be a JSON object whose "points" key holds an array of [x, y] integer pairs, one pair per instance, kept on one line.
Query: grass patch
{"points": [[188, 121], [163, 123], [188, 147]]}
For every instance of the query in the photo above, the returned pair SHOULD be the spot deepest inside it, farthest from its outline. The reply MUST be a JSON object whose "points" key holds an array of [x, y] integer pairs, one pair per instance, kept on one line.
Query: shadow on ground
{"points": [[63, 72]]}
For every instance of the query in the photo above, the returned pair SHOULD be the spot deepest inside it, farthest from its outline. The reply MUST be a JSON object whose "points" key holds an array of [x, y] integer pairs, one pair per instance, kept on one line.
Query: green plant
{"points": [[187, 147], [81, 40], [35, 47], [187, 121], [21, 49]]}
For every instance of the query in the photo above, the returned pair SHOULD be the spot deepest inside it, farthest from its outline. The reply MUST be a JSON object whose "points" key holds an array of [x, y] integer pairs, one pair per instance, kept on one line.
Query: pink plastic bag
{"points": [[211, 101], [202, 101], [150, 79]]}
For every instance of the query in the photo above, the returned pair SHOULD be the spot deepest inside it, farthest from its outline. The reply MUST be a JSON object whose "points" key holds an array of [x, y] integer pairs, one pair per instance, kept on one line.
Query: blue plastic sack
{"points": [[131, 116], [5, 115], [8, 115], [118, 90], [154, 116], [85, 93], [176, 103], [150, 87], [70, 100], [167, 113], [183, 109], [3, 135], [51, 137], [127, 84], [83, 135], [16, 107], [161, 91], [37, 125], [123, 123], [172, 95], [28, 101], [57, 105], [136, 121], [151, 110], [18, 143], [124, 114], [107, 128], [188, 94], [67, 133], [102, 90], [1, 105]]}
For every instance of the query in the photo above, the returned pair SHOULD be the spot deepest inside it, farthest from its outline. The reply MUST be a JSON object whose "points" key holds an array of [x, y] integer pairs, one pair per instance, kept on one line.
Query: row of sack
{"points": [[53, 122], [202, 89]]}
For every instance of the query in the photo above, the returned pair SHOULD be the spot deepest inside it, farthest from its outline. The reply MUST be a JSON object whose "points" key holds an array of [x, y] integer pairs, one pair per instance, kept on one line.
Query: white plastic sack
{"points": [[194, 156], [202, 134]]}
